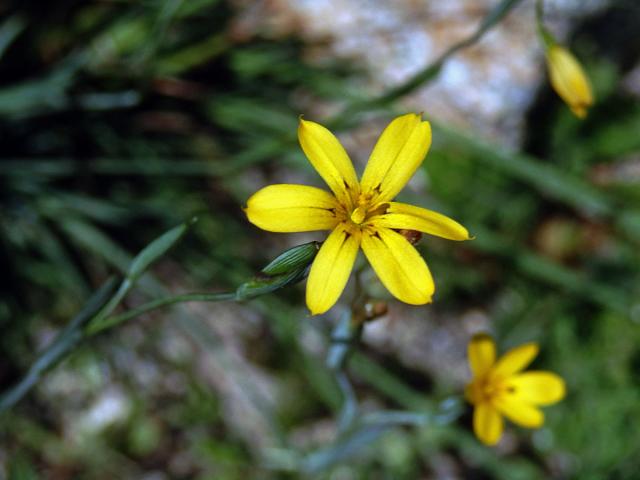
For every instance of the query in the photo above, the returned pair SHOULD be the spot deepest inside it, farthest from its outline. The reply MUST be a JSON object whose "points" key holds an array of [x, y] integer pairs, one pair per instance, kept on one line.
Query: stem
{"points": [[344, 336], [155, 304], [545, 35], [61, 346], [74, 333], [431, 70], [349, 410]]}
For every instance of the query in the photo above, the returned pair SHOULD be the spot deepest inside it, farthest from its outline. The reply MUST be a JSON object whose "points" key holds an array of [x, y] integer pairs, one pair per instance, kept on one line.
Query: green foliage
{"points": [[119, 120]]}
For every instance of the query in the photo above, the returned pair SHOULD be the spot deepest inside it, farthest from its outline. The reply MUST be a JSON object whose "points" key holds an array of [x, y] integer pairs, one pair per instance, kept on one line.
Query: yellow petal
{"points": [[330, 160], [399, 266], [482, 354], [569, 80], [397, 155], [515, 360], [487, 424], [292, 208], [401, 215], [331, 269], [537, 387], [519, 411]]}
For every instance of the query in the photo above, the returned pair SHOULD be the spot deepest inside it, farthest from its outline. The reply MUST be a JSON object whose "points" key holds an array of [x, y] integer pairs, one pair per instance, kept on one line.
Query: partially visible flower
{"points": [[359, 213], [499, 388], [569, 80]]}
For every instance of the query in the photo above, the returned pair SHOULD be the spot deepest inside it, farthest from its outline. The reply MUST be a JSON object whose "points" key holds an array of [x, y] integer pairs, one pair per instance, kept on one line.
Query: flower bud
{"points": [[569, 80], [289, 267], [295, 258]]}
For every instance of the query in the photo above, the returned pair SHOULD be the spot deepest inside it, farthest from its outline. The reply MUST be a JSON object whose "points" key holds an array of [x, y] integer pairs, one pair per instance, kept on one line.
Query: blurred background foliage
{"points": [[119, 120]]}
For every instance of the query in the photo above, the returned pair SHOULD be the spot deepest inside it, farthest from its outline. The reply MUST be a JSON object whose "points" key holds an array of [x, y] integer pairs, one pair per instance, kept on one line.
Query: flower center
{"points": [[486, 389], [365, 209]]}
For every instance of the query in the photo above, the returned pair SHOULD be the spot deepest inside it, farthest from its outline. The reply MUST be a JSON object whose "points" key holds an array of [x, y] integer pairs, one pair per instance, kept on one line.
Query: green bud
{"points": [[287, 268], [293, 259]]}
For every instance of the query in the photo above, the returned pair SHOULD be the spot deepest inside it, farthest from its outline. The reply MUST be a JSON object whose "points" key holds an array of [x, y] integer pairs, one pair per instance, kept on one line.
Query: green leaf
{"points": [[157, 248]]}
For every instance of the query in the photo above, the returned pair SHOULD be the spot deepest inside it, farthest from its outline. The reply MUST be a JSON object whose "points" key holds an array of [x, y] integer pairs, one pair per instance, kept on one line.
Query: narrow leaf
{"points": [[157, 248]]}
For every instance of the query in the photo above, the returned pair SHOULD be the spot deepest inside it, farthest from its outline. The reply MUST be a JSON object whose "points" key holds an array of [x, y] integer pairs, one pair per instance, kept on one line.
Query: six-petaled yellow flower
{"points": [[359, 213], [569, 80], [500, 388]]}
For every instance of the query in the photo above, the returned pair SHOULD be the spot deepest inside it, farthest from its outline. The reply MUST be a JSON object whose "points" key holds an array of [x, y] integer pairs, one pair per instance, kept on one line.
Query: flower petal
{"points": [[515, 360], [538, 388], [292, 208], [397, 155], [330, 160], [519, 411], [482, 354], [401, 215], [399, 266], [487, 424], [331, 269]]}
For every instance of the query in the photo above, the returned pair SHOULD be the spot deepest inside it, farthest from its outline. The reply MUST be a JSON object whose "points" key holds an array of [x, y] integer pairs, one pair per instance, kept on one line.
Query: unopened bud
{"points": [[289, 267], [295, 258], [569, 80]]}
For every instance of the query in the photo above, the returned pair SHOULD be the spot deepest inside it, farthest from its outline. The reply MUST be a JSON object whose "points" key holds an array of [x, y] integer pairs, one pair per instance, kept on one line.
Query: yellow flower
{"points": [[569, 80], [358, 213], [499, 388]]}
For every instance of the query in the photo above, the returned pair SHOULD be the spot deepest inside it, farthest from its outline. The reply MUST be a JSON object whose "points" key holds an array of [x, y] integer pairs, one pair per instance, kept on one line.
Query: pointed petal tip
{"points": [[489, 441], [516, 359], [418, 116], [562, 389], [418, 303], [580, 112], [306, 124], [315, 308], [533, 346], [482, 337], [303, 124]]}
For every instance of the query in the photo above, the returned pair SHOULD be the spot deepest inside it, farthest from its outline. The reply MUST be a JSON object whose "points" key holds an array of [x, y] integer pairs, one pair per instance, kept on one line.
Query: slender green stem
{"points": [[369, 427], [61, 346], [545, 35], [430, 71], [154, 305], [349, 410], [337, 358]]}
